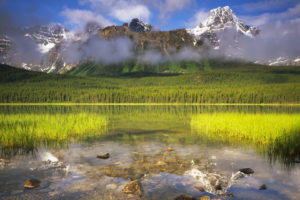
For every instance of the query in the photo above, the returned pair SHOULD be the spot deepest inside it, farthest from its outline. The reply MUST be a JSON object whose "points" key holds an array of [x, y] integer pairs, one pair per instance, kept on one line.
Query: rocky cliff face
{"points": [[138, 26], [158, 40]]}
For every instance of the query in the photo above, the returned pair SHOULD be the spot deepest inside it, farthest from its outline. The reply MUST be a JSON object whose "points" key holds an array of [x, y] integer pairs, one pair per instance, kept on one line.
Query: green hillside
{"points": [[220, 84]]}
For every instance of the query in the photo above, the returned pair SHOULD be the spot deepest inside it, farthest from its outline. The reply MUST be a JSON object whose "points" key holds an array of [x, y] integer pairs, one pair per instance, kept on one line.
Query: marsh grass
{"points": [[275, 135], [32, 130]]}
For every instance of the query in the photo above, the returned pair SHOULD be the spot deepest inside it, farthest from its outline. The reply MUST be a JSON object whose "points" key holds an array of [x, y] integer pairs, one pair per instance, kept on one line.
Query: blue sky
{"points": [[162, 14]]}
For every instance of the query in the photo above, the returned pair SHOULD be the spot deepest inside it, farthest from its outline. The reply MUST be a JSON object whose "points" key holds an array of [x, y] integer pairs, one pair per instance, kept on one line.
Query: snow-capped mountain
{"points": [[222, 32], [218, 21], [47, 36]]}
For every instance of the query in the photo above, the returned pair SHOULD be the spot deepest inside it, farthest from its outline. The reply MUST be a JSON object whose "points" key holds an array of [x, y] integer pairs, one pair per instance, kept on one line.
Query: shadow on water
{"points": [[171, 150]]}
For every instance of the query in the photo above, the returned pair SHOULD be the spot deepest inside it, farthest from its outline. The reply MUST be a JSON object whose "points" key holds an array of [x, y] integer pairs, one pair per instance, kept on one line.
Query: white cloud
{"points": [[267, 5], [198, 18], [79, 18], [127, 12], [122, 10], [259, 20], [174, 5]]}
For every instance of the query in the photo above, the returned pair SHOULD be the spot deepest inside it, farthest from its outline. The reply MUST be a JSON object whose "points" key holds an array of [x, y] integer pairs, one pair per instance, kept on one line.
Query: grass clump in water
{"points": [[31, 130], [257, 128], [276, 136]]}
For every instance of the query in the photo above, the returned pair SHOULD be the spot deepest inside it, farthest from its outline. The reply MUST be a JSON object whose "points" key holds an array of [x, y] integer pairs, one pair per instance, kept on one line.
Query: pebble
{"points": [[32, 183], [204, 198], [263, 187], [169, 149], [133, 187], [247, 171], [103, 156], [185, 197]]}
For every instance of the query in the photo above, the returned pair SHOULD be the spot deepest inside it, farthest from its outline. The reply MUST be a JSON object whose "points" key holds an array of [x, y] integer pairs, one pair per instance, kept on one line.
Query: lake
{"points": [[170, 150]]}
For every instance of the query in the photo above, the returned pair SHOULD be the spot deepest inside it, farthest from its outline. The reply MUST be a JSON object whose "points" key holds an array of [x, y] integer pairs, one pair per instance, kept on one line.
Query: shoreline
{"points": [[147, 104]]}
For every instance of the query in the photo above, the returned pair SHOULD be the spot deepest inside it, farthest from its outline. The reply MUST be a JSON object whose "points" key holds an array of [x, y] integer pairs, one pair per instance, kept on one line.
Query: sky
{"points": [[161, 14]]}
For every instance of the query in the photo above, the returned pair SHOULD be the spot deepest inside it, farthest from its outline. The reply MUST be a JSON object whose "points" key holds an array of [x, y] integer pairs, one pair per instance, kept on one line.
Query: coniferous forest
{"points": [[229, 85]]}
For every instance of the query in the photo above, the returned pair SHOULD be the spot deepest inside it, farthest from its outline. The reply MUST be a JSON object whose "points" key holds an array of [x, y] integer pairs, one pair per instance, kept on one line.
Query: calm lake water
{"points": [[58, 145]]}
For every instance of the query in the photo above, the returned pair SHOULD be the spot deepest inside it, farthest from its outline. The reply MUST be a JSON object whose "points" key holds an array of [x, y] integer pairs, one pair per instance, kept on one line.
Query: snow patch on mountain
{"points": [[47, 36]]}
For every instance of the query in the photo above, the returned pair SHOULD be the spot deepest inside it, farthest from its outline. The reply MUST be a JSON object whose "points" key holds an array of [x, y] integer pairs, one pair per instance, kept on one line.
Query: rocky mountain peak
{"points": [[220, 16], [51, 33], [138, 26], [221, 19]]}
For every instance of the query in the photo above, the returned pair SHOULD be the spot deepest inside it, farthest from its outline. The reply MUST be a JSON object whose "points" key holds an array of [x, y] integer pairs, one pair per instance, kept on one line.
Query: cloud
{"points": [[198, 18], [122, 10], [175, 5], [267, 5], [279, 39], [152, 56], [259, 20], [168, 7], [22, 49], [98, 49], [80, 18], [127, 13], [125, 10]]}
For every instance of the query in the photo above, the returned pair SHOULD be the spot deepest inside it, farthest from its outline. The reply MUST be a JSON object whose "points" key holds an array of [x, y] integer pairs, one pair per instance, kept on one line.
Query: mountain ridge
{"points": [[51, 39]]}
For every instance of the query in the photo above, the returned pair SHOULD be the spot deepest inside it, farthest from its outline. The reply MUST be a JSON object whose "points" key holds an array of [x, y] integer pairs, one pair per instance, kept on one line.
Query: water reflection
{"points": [[137, 139]]}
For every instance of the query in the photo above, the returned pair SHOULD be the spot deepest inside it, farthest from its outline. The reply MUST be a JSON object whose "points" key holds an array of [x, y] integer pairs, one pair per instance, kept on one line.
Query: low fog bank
{"points": [[279, 39], [22, 49]]}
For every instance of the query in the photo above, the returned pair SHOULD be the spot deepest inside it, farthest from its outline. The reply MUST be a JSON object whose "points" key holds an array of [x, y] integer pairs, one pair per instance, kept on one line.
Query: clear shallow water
{"points": [[136, 138]]}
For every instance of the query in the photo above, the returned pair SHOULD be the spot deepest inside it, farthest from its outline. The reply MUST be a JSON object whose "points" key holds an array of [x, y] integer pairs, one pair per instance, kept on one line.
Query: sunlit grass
{"points": [[30, 130], [275, 135], [258, 128]]}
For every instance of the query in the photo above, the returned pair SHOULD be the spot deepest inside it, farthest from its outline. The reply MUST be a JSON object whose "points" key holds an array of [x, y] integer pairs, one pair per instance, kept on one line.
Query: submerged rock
{"points": [[2, 163], [103, 156], [133, 187], [160, 163], [32, 183], [219, 187], [204, 198], [263, 187], [247, 171], [112, 186], [226, 195], [169, 149], [185, 197], [200, 188]]}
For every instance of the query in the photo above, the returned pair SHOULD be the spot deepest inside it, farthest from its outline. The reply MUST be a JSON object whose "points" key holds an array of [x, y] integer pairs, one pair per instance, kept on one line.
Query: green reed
{"points": [[30, 130], [258, 128], [276, 135]]}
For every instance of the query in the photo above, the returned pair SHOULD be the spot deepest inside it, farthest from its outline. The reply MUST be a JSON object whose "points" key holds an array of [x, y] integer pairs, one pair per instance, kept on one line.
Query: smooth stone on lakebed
{"points": [[133, 187], [219, 187], [185, 197], [226, 195], [200, 188], [204, 198], [263, 187], [103, 156], [247, 171], [32, 183], [169, 149]]}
